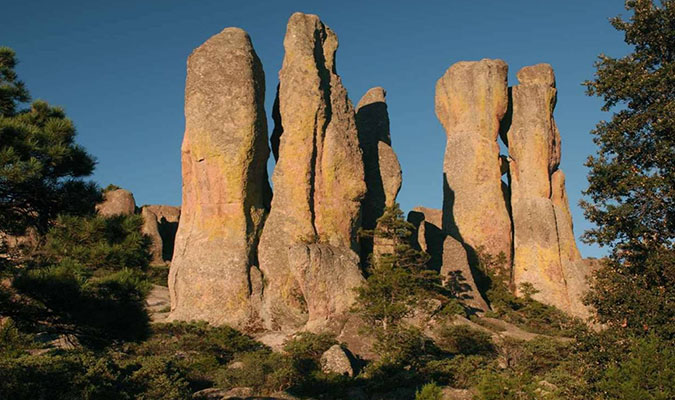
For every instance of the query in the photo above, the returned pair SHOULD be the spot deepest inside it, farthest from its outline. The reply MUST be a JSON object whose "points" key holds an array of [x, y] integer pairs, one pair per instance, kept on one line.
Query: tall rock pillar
{"points": [[471, 99], [214, 274], [307, 249], [543, 238], [382, 169]]}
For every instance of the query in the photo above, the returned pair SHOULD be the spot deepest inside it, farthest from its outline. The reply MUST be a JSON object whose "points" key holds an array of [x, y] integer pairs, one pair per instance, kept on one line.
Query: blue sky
{"points": [[118, 69]]}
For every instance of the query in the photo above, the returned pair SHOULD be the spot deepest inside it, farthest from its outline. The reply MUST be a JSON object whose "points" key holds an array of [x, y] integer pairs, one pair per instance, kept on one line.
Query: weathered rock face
{"points": [[471, 99], [382, 169], [563, 217], [448, 256], [225, 187], [326, 276], [151, 229], [545, 248], [161, 223], [318, 179], [167, 225], [336, 361], [117, 202]]}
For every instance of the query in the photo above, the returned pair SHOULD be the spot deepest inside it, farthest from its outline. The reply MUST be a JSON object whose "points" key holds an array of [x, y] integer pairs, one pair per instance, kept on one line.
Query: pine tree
{"points": [[397, 281], [41, 167], [632, 178]]}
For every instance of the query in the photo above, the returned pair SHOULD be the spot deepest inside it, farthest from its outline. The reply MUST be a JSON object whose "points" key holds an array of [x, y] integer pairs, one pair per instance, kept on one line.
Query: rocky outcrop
{"points": [[161, 223], [326, 276], [117, 202], [448, 256], [381, 167], [335, 360], [225, 189], [318, 179], [471, 99], [151, 229], [545, 254]]}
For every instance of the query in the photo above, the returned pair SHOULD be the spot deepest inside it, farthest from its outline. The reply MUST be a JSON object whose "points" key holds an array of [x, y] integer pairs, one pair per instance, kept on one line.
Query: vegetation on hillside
{"points": [[73, 323]]}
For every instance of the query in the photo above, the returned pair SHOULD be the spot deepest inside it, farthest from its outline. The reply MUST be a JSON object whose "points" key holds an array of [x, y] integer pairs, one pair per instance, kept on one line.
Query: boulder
{"points": [[318, 179], [326, 276], [117, 202], [471, 99], [381, 167], [225, 188], [336, 361], [544, 245]]}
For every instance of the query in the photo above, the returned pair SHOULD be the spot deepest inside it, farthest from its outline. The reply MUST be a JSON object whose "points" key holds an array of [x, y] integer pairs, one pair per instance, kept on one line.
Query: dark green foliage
{"points": [[398, 283], [632, 178], [459, 371], [92, 376], [522, 311], [12, 90], [306, 349], [98, 243], [462, 339], [430, 391], [262, 370], [646, 373], [41, 167], [89, 279]]}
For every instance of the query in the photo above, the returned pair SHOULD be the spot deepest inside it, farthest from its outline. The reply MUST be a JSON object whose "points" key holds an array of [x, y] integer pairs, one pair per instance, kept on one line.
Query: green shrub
{"points": [[307, 345], [647, 372], [430, 391], [13, 342], [506, 386], [262, 370], [459, 371], [462, 339], [99, 243], [405, 345], [159, 378]]}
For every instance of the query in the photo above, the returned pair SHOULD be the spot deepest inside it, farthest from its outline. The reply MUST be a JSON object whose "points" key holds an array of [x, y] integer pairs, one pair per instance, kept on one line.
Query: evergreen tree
{"points": [[632, 178], [41, 167], [398, 280]]}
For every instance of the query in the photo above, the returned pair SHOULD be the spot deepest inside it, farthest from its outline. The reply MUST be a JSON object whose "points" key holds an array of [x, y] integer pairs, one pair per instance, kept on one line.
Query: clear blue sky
{"points": [[118, 68]]}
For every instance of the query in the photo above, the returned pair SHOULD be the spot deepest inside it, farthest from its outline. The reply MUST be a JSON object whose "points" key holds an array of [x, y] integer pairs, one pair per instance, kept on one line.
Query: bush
{"points": [[262, 370], [646, 372], [99, 243], [430, 391], [309, 346], [462, 339], [459, 371]]}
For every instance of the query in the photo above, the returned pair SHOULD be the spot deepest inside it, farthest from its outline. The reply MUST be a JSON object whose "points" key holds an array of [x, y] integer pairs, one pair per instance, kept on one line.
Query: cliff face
{"points": [[290, 262]]}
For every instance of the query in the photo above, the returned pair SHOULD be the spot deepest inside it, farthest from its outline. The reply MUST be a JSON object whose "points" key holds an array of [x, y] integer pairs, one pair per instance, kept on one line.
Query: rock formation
{"points": [[151, 229], [161, 223], [213, 274], [545, 250], [471, 99], [318, 184], [448, 256], [336, 360], [117, 202], [381, 167]]}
